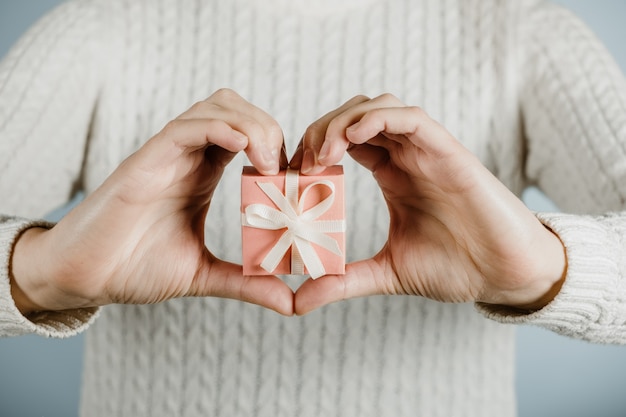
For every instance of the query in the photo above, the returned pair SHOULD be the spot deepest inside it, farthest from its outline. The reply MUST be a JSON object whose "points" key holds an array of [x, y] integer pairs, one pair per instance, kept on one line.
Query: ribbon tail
{"points": [[297, 263], [271, 260], [311, 259]]}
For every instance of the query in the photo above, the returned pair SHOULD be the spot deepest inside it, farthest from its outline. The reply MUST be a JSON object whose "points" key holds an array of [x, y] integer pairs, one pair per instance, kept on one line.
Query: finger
{"points": [[182, 136], [226, 280], [265, 150], [264, 157], [313, 139], [264, 133], [336, 140], [369, 156], [385, 171], [404, 125], [264, 144], [363, 278], [194, 134]]}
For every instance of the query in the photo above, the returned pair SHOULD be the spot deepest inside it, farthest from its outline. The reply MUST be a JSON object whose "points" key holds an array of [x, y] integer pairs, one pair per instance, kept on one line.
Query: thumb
{"points": [[226, 280]]}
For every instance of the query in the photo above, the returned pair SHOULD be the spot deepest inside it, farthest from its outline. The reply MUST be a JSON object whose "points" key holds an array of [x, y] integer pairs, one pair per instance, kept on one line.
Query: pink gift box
{"points": [[293, 224]]}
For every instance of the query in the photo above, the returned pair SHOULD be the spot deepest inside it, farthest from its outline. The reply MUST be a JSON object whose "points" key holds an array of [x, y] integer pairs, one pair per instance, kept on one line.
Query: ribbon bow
{"points": [[302, 226]]}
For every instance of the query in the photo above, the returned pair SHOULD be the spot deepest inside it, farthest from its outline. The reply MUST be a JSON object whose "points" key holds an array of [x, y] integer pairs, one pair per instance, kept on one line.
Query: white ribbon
{"points": [[302, 228]]}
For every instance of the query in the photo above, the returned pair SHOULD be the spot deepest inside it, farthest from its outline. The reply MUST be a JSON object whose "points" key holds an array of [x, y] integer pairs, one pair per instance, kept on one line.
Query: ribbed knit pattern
{"points": [[522, 84]]}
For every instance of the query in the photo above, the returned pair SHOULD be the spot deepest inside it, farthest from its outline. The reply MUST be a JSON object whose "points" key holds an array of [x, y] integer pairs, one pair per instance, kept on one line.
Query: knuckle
{"points": [[417, 112], [354, 101], [359, 98], [373, 114], [388, 98], [171, 127], [197, 108], [226, 95], [252, 128], [338, 124]]}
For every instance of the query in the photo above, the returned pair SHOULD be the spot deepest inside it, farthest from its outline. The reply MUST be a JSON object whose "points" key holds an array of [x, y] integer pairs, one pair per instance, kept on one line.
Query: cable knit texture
{"points": [[524, 85]]}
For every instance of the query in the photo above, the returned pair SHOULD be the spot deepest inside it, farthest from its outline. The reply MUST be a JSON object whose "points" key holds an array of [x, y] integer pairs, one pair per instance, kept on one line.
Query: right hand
{"points": [[139, 238]]}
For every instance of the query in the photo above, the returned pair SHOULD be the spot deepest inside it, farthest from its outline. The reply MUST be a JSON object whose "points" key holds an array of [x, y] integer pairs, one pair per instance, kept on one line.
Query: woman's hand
{"points": [[139, 238], [456, 233]]}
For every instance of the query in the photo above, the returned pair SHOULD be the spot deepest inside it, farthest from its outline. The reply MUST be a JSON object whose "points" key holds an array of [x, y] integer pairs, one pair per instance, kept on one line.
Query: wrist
{"points": [[550, 275], [23, 270], [542, 282]]}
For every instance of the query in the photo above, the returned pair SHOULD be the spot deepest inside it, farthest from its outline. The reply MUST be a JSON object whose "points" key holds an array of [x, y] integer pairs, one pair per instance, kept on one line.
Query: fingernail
{"points": [[270, 157], [308, 161], [324, 152]]}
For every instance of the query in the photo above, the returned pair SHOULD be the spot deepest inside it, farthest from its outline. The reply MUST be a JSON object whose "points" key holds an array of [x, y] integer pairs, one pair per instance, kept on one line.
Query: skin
{"points": [[456, 233], [139, 238]]}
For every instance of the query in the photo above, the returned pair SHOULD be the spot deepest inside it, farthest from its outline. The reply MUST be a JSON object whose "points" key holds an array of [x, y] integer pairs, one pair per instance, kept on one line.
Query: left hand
{"points": [[456, 233]]}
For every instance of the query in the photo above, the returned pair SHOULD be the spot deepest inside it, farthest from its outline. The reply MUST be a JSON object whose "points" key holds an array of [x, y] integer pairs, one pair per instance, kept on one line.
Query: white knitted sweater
{"points": [[522, 84]]}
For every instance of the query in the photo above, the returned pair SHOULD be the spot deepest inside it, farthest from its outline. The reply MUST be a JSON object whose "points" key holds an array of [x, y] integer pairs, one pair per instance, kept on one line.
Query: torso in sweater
{"points": [[379, 356]]}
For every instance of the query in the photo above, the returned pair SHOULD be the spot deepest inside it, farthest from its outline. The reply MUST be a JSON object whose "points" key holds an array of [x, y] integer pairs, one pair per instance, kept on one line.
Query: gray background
{"points": [[556, 376]]}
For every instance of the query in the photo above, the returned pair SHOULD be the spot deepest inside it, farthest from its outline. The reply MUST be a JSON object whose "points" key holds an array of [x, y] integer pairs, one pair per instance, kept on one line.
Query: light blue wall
{"points": [[556, 376], [38, 377]]}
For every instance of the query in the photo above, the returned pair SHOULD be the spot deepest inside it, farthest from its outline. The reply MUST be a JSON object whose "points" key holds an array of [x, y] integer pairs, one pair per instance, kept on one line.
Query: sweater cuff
{"points": [[47, 323], [587, 302]]}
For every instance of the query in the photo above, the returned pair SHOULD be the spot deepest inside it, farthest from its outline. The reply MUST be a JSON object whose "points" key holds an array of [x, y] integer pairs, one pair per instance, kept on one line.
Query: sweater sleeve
{"points": [[48, 90], [573, 100]]}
